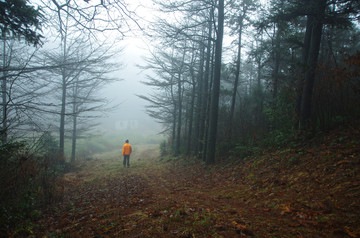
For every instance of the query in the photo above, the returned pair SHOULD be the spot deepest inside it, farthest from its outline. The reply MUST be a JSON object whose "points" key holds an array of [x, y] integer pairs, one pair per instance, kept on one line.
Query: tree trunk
{"points": [[4, 96], [62, 116], [208, 102], [300, 83], [173, 131], [210, 158], [178, 132], [311, 64], [63, 96], [276, 63], [74, 131], [191, 113], [74, 137], [205, 96], [199, 101], [236, 83]]}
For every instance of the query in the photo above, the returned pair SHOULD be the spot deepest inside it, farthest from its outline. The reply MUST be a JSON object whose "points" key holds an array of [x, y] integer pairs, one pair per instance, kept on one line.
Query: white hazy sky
{"points": [[124, 92]]}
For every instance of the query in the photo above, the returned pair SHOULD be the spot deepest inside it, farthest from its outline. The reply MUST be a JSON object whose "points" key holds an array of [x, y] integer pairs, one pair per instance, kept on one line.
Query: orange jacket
{"points": [[127, 149]]}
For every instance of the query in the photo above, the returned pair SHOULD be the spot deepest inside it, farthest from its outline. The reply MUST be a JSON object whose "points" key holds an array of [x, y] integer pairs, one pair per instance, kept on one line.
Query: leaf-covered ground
{"points": [[312, 190]]}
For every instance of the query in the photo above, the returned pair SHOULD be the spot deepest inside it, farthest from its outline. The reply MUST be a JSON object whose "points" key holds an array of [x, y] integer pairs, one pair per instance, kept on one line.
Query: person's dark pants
{"points": [[126, 160]]}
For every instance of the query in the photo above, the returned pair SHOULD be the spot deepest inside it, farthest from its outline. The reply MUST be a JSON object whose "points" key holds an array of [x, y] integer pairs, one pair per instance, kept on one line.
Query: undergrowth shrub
{"points": [[280, 114], [277, 138], [243, 151], [29, 178], [224, 147], [164, 148], [336, 98]]}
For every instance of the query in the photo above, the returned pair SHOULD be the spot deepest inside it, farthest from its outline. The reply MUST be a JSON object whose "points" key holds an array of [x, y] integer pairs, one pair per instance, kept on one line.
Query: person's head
{"points": [[127, 141]]}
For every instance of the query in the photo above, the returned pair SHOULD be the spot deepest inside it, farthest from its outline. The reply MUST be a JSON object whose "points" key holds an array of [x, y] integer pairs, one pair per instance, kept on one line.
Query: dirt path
{"points": [[178, 198]]}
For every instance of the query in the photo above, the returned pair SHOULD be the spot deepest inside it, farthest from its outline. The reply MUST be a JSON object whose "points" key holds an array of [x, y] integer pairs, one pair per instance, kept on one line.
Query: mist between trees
{"points": [[291, 68], [55, 61], [228, 77]]}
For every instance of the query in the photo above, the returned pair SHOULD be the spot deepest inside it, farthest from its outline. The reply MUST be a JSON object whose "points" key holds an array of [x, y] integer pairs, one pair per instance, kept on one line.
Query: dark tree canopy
{"points": [[21, 20]]}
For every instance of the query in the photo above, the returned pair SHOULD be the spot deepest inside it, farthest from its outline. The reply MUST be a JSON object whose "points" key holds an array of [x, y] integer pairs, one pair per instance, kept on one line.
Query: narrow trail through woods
{"points": [[185, 198]]}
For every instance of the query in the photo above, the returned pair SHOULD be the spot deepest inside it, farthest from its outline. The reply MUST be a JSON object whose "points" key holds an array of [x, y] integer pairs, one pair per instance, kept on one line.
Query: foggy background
{"points": [[130, 113], [129, 120]]}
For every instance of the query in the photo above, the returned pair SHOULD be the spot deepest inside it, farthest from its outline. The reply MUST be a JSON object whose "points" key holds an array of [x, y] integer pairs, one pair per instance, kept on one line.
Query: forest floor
{"points": [[310, 190]]}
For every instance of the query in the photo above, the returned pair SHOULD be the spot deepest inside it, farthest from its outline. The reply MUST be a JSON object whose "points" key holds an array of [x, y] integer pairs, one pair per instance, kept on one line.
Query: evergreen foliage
{"points": [[20, 20], [28, 176]]}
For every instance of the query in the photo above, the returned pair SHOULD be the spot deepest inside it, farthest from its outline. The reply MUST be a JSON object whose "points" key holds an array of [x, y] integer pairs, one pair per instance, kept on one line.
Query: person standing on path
{"points": [[126, 151]]}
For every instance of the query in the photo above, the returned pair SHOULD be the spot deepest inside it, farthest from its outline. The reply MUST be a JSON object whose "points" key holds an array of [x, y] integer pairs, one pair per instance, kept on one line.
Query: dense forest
{"points": [[229, 79], [288, 69]]}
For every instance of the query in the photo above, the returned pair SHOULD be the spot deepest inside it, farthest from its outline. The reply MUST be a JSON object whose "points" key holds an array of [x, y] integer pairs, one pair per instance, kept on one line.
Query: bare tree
{"points": [[92, 17], [20, 92], [85, 97], [73, 60], [164, 104]]}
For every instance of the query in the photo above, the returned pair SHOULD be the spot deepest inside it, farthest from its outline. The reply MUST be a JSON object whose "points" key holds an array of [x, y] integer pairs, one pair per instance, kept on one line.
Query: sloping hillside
{"points": [[312, 190]]}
